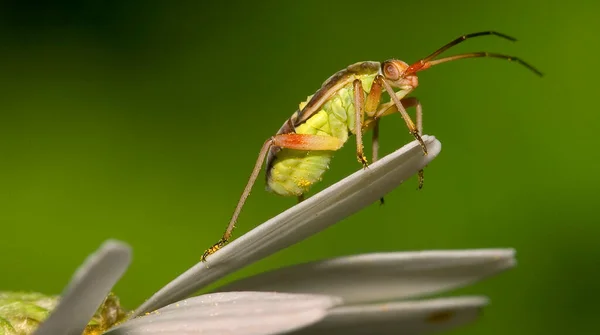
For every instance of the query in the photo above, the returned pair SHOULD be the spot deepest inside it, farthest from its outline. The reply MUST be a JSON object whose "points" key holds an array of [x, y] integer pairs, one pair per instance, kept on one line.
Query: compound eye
{"points": [[390, 70]]}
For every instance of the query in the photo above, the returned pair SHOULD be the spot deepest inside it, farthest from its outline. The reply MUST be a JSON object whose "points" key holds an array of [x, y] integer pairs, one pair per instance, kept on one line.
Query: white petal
{"points": [[87, 290], [318, 212], [383, 276], [248, 313], [401, 318]]}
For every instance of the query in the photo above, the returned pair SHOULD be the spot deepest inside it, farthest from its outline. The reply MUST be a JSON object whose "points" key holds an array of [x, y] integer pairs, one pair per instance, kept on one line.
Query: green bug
{"points": [[348, 103], [22, 312]]}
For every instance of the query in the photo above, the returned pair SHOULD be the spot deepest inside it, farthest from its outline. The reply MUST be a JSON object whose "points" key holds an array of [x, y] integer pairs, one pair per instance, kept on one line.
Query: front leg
{"points": [[400, 108], [406, 103], [414, 102]]}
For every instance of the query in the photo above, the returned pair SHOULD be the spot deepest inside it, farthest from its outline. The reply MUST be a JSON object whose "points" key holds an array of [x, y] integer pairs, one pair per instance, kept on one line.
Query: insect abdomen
{"points": [[296, 171], [293, 172]]}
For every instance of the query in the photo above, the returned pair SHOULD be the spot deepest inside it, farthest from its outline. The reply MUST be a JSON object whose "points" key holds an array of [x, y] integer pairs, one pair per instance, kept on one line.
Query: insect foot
{"points": [[363, 160], [222, 242], [418, 138], [421, 177]]}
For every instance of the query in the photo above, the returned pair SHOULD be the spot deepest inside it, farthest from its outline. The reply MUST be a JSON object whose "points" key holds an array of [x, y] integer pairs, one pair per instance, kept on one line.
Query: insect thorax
{"points": [[293, 172]]}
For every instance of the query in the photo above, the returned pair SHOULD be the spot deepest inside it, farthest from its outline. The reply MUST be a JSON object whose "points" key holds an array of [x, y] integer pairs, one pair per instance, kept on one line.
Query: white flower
{"points": [[364, 294]]}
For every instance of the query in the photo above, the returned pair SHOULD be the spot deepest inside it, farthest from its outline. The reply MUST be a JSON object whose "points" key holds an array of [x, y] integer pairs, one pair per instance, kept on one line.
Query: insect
{"points": [[348, 103]]}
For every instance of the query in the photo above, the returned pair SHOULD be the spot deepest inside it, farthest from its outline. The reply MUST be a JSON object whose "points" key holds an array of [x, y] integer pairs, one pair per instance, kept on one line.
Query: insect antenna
{"points": [[486, 54], [464, 38], [428, 61]]}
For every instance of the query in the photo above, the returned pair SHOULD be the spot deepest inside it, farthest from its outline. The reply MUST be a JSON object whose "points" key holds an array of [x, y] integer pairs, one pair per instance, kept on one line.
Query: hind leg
{"points": [[289, 141]]}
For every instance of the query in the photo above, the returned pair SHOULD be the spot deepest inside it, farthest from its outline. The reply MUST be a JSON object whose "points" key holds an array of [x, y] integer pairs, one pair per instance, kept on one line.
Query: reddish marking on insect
{"points": [[307, 142], [290, 140], [416, 67]]}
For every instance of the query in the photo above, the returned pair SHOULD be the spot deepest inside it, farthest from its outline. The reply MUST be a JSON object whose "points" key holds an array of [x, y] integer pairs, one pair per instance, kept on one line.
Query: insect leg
{"points": [[257, 166], [375, 142], [409, 123], [359, 117], [300, 198], [371, 104], [375, 148], [406, 103], [414, 102], [290, 141], [374, 97], [390, 108]]}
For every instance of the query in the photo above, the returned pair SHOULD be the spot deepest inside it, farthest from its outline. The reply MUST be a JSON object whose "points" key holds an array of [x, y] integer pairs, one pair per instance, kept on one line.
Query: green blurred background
{"points": [[141, 121]]}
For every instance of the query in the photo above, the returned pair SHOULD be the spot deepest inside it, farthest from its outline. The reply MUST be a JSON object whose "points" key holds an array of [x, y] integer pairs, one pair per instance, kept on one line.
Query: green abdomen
{"points": [[293, 172]]}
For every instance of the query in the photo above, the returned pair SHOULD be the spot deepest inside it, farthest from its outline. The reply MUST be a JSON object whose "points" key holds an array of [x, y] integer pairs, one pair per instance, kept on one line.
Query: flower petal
{"points": [[88, 288], [406, 318], [318, 212], [248, 313], [382, 276]]}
